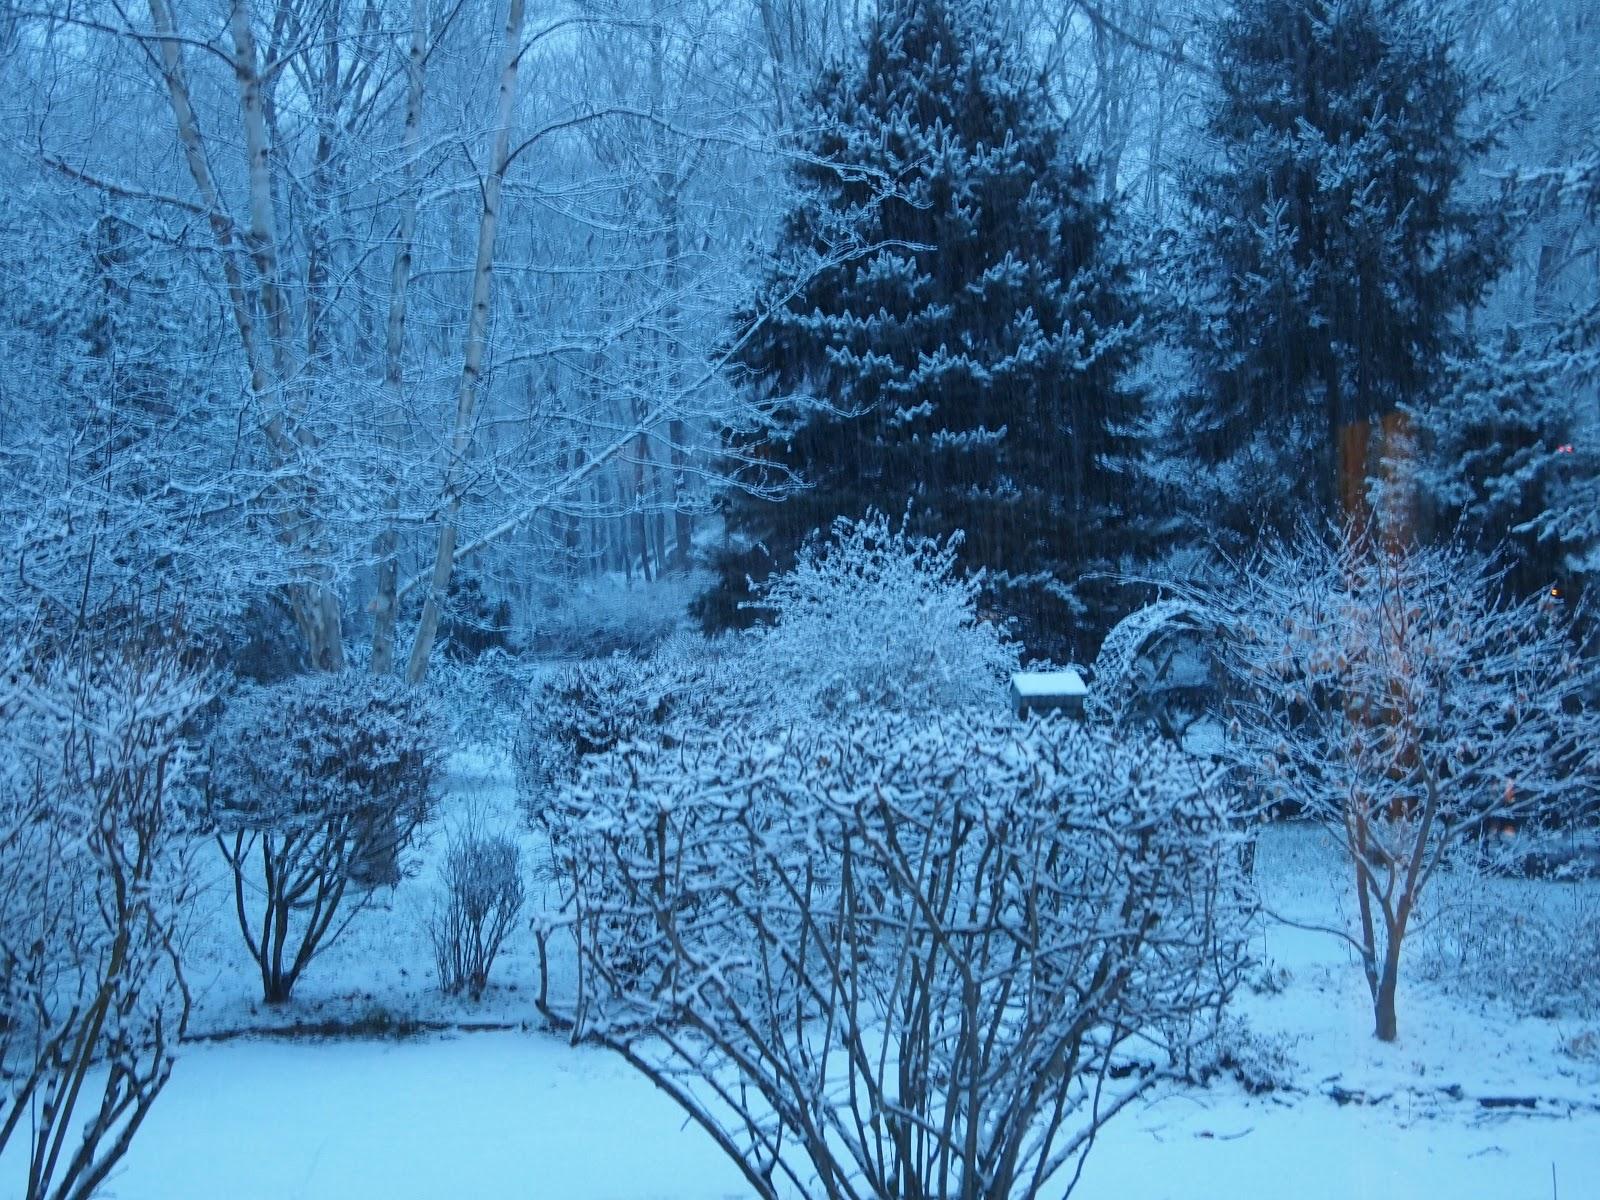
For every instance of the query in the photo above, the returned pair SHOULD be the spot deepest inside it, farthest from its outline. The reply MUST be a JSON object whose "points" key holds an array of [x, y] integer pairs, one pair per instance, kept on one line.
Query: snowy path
{"points": [[524, 1115]]}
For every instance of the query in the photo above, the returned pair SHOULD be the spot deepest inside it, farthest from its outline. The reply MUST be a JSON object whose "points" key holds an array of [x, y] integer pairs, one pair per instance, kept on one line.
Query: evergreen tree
{"points": [[1330, 250], [967, 360], [1512, 447]]}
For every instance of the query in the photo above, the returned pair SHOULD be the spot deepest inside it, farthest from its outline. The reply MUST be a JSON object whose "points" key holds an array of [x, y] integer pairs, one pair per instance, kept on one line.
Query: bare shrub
{"points": [[316, 786], [94, 884], [1533, 945], [900, 959], [482, 893]]}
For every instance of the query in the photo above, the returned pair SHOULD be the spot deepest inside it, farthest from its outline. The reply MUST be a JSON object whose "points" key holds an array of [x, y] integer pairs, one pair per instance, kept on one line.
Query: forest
{"points": [[517, 522]]}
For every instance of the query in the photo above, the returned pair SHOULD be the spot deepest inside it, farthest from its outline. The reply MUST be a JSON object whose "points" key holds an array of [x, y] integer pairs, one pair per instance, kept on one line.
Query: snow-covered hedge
{"points": [[320, 746], [882, 937], [480, 699], [873, 620], [688, 685]]}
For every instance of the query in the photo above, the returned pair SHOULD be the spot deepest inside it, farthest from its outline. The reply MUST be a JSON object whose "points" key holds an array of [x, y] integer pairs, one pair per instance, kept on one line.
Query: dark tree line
{"points": [[1000, 351]]}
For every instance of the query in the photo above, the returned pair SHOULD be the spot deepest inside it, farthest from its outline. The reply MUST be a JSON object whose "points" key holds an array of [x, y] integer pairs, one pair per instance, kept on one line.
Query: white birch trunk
{"points": [[316, 605], [386, 603], [476, 346], [316, 608]]}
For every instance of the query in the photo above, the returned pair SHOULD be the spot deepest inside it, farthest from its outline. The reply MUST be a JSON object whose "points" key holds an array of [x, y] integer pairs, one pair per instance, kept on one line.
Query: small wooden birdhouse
{"points": [[1048, 691]]}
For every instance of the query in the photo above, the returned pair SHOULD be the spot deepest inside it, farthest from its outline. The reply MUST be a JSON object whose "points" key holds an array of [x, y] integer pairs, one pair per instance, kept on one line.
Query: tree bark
{"points": [[386, 603], [476, 346], [315, 607]]}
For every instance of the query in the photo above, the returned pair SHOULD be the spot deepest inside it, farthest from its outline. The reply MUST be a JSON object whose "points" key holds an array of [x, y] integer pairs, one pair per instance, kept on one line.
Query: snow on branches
{"points": [[93, 888], [1396, 695], [324, 779], [898, 957], [879, 617]]}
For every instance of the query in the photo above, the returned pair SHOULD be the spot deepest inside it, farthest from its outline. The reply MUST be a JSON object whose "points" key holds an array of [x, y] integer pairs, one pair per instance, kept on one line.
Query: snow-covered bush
{"points": [[322, 781], [1256, 1062], [901, 957], [481, 895], [877, 618], [1533, 945], [586, 709], [479, 699], [1393, 693], [606, 615], [589, 708], [94, 886]]}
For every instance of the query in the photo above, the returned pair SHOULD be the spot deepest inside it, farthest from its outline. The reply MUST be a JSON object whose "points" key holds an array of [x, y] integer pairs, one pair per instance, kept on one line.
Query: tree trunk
{"points": [[316, 607], [386, 603], [477, 340], [1385, 1025]]}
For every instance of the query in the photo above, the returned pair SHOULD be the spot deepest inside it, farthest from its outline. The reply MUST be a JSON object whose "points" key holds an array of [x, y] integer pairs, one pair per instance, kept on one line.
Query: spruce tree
{"points": [[1330, 247], [1512, 446], [967, 361]]}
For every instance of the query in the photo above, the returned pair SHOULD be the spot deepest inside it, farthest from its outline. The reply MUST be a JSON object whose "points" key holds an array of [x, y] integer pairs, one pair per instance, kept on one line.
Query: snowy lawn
{"points": [[518, 1112], [525, 1115]]}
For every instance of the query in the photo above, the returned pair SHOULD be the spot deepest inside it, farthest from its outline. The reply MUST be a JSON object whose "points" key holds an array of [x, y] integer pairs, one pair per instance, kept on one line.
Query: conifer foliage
{"points": [[1330, 244], [967, 355]]}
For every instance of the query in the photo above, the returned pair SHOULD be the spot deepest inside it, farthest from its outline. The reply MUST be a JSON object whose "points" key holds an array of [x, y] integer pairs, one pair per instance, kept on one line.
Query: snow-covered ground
{"points": [[525, 1115], [1471, 1102]]}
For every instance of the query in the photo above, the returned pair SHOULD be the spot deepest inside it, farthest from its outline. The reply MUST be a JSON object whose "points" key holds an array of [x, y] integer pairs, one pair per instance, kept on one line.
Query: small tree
{"points": [[898, 959], [94, 884], [323, 779], [1393, 692]]}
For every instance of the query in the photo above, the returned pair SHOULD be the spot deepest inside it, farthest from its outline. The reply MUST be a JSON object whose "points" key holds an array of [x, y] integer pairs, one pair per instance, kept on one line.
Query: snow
{"points": [[1033, 684], [520, 1112], [1186, 1148], [512, 1115], [479, 1115]]}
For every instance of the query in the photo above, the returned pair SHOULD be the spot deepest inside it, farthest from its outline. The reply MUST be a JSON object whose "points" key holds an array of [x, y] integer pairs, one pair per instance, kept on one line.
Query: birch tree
{"points": [[476, 343]]}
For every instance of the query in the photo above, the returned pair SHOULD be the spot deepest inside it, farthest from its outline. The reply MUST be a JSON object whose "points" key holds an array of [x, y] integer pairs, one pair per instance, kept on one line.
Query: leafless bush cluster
{"points": [[482, 893], [899, 959], [1531, 944], [93, 884]]}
